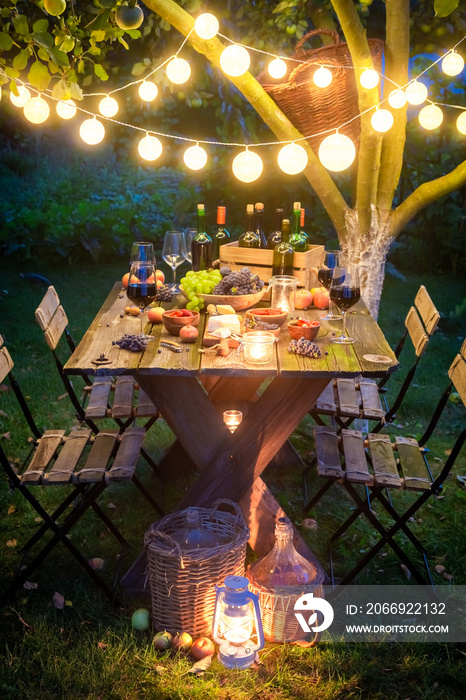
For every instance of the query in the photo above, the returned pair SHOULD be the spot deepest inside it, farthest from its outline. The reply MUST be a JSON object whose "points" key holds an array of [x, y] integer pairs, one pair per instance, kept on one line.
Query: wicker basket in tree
{"points": [[182, 585], [311, 109]]}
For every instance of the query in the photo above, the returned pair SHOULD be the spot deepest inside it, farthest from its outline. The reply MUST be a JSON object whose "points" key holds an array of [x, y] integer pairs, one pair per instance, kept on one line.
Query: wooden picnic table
{"points": [[192, 388]]}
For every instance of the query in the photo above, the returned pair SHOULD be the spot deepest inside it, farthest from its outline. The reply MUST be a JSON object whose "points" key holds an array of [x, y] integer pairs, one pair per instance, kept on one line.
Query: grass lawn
{"points": [[88, 649]]}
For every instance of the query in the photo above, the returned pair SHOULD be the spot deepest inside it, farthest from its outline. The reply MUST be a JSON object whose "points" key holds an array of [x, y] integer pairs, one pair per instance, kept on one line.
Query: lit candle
{"points": [[232, 419], [258, 346]]}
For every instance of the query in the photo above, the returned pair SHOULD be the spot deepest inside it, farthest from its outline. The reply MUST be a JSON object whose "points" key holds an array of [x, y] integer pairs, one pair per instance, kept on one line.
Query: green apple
{"points": [[140, 619]]}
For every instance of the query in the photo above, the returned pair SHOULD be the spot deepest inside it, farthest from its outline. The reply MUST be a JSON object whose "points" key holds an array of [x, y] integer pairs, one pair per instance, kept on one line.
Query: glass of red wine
{"points": [[142, 286], [344, 292], [325, 275]]}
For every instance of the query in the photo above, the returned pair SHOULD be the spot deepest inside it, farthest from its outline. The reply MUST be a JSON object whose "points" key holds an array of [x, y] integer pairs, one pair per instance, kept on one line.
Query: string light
{"points": [[92, 131], [235, 60], [382, 120], [150, 147], [453, 63], [206, 26], [247, 166], [277, 68], [148, 91], [461, 123], [21, 99], [108, 107], [178, 70], [292, 159], [195, 157], [337, 152], [430, 117], [322, 77], [369, 79], [416, 92], [397, 99], [66, 109], [36, 110]]}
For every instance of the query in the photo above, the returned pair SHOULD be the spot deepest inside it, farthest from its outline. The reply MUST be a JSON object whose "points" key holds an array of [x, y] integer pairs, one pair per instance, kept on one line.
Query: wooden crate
{"points": [[259, 261]]}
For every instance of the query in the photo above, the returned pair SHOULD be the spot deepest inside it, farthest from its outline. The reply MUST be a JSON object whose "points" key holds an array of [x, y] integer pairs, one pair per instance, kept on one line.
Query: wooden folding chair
{"points": [[378, 463], [84, 462]]}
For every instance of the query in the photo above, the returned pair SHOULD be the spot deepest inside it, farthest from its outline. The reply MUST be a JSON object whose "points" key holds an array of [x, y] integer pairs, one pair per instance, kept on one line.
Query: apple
{"points": [[162, 640], [125, 280], [321, 300], [129, 17], [202, 647], [154, 314], [188, 334], [182, 641], [302, 299], [160, 276], [316, 290], [159, 283], [140, 619]]}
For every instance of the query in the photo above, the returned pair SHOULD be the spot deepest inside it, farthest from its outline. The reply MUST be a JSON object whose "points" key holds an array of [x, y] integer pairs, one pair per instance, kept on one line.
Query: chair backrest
{"points": [[6, 363], [457, 373], [422, 320], [51, 317], [6, 366]]}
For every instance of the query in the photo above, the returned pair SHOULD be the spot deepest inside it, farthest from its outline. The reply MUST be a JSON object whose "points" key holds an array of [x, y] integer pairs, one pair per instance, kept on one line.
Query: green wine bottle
{"points": [[259, 211], [276, 236], [249, 238], [283, 253], [297, 239]]}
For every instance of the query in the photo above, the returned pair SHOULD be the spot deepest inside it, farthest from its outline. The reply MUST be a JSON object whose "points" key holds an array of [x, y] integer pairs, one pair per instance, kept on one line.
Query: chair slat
{"points": [[145, 406], [47, 308], [326, 402], [413, 466], [54, 330], [6, 363], [370, 399], [416, 331], [127, 456], [463, 350], [429, 314], [47, 447], [457, 374], [96, 465], [348, 398], [356, 469], [98, 399], [62, 472], [327, 453], [383, 461], [123, 399]]}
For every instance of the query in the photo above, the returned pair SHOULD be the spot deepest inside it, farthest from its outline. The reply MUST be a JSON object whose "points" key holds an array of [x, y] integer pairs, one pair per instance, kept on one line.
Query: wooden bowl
{"points": [[240, 302], [174, 323], [308, 332], [264, 314]]}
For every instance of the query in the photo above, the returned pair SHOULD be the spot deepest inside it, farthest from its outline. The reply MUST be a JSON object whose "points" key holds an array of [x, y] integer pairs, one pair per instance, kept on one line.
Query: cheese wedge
{"points": [[225, 321], [224, 309]]}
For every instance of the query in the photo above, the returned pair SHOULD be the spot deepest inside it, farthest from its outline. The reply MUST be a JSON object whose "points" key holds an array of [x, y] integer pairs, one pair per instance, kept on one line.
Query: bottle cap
{"points": [[221, 213], [259, 206], [296, 205], [200, 207], [250, 208]]}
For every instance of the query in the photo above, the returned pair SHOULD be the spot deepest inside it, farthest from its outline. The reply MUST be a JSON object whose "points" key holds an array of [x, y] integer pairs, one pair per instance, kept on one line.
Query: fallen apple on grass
{"points": [[201, 648], [140, 619], [162, 640], [182, 641]]}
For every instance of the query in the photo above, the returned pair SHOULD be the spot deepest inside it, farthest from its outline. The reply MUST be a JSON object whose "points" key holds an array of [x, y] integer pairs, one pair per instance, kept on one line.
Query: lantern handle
{"points": [[255, 600]]}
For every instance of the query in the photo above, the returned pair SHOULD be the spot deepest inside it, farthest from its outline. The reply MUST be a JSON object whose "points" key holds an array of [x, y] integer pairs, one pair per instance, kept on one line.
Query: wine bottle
{"points": [[221, 235], [303, 232], [259, 212], [276, 236], [283, 253], [249, 238], [201, 246], [297, 240]]}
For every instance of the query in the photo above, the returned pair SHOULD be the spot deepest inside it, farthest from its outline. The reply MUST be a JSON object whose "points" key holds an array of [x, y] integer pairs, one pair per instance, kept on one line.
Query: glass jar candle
{"points": [[283, 288], [258, 347], [232, 419]]}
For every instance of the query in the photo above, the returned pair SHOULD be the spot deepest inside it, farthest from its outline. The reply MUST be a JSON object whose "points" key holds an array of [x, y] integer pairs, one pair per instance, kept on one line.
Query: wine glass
{"points": [[142, 286], [344, 292], [189, 234], [142, 251], [325, 275], [174, 252]]}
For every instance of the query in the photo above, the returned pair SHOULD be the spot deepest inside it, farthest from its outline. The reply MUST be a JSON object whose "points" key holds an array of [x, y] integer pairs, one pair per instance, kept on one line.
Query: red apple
{"points": [[182, 641], [302, 299], [316, 290], [160, 276], [202, 647], [154, 314], [162, 640], [125, 280], [188, 334], [321, 300]]}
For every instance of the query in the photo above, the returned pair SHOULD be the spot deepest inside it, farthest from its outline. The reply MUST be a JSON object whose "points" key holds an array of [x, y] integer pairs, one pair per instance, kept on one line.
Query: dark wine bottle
{"points": [[221, 235], [201, 246], [283, 253], [297, 240], [249, 238], [259, 212], [303, 232], [276, 236]]}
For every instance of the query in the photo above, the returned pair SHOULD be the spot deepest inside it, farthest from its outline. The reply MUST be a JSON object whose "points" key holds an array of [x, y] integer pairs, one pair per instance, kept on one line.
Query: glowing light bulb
{"points": [[292, 159], [382, 120], [234, 60], [453, 63], [247, 166], [397, 99], [195, 157], [108, 107], [178, 70], [36, 110], [149, 147], [430, 117], [369, 78], [322, 77], [461, 123], [148, 91], [416, 93], [206, 26], [337, 152], [21, 99], [66, 109], [277, 68], [92, 131]]}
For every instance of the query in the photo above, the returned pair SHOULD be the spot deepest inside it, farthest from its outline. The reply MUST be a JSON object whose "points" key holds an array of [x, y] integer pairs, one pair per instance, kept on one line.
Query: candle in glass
{"points": [[232, 419], [258, 346]]}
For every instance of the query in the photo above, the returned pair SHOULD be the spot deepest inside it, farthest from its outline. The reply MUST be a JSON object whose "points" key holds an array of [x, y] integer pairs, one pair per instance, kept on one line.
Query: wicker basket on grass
{"points": [[182, 585], [312, 109]]}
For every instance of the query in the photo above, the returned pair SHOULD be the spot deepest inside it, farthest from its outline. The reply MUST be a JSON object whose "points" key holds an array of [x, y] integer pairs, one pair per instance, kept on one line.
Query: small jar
{"points": [[258, 347]]}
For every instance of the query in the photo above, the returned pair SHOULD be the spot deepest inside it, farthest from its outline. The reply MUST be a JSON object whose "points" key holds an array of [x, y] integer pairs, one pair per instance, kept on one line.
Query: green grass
{"points": [[88, 650]]}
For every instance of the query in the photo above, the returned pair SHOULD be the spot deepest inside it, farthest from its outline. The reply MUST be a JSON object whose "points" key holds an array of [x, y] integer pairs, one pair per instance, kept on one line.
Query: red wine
{"points": [[325, 277], [141, 294], [345, 297]]}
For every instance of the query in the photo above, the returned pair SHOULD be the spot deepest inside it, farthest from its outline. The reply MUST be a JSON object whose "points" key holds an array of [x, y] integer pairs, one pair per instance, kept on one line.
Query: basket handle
{"points": [[164, 536], [298, 50], [234, 506]]}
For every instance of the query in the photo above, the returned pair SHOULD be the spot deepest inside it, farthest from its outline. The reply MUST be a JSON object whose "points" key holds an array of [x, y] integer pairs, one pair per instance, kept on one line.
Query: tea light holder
{"points": [[232, 419], [258, 347]]}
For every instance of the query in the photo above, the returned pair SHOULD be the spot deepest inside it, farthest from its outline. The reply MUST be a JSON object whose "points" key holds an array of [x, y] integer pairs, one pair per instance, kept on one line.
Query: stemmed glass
{"points": [[189, 234], [344, 292], [142, 251], [142, 286], [174, 253], [325, 275]]}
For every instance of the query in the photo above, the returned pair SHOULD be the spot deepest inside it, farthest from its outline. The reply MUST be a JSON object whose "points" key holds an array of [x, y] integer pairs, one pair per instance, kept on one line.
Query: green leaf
{"points": [[133, 33], [40, 26], [21, 59], [76, 92], [43, 54], [39, 76], [443, 8], [138, 69], [11, 72], [122, 41], [21, 24], [60, 57], [6, 42], [53, 68], [100, 21], [94, 50], [99, 35], [100, 71], [60, 90], [43, 39]]}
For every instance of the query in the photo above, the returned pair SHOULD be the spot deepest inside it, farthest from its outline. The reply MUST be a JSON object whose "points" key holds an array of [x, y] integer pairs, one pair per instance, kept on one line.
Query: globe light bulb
{"points": [[36, 110], [66, 109], [416, 93], [149, 147], [195, 157], [234, 60], [92, 131], [178, 70], [148, 91], [277, 68], [322, 77], [461, 123], [369, 78], [292, 159], [397, 99], [108, 107], [430, 117], [337, 152], [206, 26], [247, 166], [21, 99], [382, 120], [453, 63]]}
